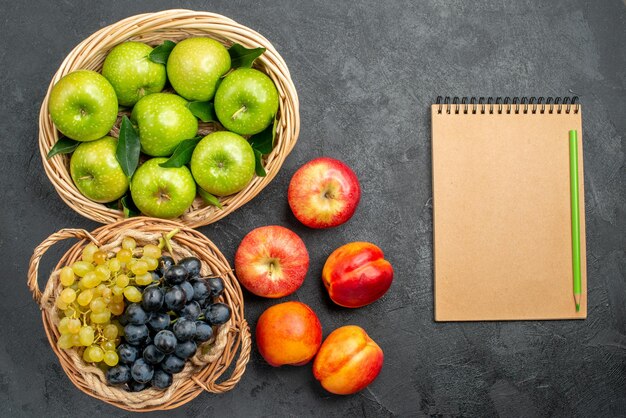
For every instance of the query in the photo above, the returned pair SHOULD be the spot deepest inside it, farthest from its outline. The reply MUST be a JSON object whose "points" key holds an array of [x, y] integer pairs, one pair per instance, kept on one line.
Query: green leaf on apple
{"points": [[182, 153], [203, 111], [258, 164], [242, 57], [264, 140], [128, 206], [128, 147], [161, 53], [64, 145], [209, 198]]}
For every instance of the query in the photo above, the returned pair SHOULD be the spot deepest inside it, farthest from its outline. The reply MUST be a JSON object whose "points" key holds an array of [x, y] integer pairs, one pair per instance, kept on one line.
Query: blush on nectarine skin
{"points": [[348, 361], [271, 261], [357, 274], [288, 333], [324, 193]]}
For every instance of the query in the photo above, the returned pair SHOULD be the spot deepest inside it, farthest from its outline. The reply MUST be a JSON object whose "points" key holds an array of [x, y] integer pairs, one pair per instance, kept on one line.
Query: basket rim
{"points": [[184, 21], [204, 378]]}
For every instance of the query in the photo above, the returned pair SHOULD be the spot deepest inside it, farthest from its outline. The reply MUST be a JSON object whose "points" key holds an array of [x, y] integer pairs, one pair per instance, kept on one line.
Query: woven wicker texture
{"points": [[153, 29], [232, 341]]}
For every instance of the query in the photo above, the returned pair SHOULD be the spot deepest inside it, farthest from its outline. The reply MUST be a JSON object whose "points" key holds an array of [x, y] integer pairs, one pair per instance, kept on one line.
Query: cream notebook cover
{"points": [[501, 210]]}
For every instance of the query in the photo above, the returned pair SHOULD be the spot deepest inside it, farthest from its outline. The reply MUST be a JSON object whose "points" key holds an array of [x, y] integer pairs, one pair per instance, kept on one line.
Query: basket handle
{"points": [[33, 267], [240, 365]]}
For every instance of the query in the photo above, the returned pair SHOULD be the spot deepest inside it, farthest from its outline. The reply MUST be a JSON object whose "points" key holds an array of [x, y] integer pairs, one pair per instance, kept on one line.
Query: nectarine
{"points": [[348, 361], [357, 274], [288, 333]]}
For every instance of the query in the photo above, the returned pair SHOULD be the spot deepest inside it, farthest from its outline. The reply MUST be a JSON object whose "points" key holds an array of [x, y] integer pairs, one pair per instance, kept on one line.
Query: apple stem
{"points": [[163, 196], [272, 267], [238, 112]]}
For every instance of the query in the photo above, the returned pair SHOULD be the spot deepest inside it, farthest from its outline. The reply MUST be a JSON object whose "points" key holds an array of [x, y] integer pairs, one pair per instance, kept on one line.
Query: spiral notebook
{"points": [[501, 209]]}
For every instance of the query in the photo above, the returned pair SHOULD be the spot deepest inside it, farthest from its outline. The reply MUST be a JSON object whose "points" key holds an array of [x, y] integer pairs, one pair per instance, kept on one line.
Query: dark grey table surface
{"points": [[366, 74]]}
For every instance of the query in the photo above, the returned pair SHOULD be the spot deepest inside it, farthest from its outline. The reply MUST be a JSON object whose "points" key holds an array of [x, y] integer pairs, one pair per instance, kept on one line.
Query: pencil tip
{"points": [[577, 307]]}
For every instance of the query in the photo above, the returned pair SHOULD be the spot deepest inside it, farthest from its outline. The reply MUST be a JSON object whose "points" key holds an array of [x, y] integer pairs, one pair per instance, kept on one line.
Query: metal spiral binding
{"points": [[505, 105]]}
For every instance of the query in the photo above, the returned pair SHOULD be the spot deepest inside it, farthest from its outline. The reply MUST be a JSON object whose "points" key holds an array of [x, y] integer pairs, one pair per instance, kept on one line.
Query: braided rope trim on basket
{"points": [[212, 359], [154, 28]]}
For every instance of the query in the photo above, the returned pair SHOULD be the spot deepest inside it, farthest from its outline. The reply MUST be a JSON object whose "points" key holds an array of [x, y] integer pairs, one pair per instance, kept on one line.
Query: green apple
{"points": [[222, 163], [131, 73], [162, 192], [96, 172], [164, 121], [246, 101], [195, 66], [83, 105]]}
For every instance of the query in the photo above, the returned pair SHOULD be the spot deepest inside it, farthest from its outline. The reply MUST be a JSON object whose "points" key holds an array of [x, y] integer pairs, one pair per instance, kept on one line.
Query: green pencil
{"points": [[573, 177]]}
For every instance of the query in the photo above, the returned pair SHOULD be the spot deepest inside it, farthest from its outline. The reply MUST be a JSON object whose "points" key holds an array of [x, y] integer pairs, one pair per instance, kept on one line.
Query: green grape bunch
{"points": [[95, 292]]}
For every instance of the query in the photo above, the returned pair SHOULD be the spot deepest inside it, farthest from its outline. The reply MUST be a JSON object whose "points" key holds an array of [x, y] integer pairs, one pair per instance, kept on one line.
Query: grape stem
{"points": [[84, 315], [76, 309], [166, 241]]}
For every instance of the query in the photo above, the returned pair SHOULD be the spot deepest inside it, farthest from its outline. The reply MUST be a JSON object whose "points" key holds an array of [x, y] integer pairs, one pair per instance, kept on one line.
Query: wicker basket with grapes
{"points": [[144, 314]]}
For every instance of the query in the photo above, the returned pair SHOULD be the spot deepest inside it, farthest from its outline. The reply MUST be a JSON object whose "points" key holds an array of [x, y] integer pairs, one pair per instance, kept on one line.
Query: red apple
{"points": [[271, 261], [324, 193]]}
